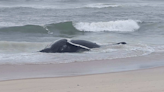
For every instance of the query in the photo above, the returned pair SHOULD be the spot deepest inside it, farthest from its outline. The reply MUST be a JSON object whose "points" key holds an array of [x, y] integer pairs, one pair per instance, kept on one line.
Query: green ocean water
{"points": [[27, 26]]}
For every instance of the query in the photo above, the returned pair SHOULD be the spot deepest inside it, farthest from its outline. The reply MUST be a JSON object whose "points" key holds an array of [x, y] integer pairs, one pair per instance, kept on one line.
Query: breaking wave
{"points": [[119, 25], [74, 28]]}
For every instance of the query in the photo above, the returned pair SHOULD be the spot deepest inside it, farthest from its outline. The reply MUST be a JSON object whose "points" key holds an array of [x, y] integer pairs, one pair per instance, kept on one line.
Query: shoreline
{"points": [[144, 80], [134, 74], [82, 75], [12, 72]]}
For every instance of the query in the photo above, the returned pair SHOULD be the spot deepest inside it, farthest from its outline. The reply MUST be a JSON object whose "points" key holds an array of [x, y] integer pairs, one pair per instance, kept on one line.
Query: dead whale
{"points": [[67, 45]]}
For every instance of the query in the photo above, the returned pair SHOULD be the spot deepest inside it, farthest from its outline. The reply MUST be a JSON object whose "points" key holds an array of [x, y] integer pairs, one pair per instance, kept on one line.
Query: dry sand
{"points": [[145, 80]]}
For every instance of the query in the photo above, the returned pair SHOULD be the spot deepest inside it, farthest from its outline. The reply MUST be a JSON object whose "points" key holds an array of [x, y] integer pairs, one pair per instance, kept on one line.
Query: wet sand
{"points": [[147, 80], [9, 72], [137, 74]]}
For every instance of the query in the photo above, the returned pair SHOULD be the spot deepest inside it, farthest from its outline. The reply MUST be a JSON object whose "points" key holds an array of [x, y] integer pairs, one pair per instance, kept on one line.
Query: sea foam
{"points": [[119, 25]]}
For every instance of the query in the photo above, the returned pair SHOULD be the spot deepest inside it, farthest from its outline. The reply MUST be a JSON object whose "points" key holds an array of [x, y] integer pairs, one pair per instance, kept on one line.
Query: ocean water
{"points": [[27, 26]]}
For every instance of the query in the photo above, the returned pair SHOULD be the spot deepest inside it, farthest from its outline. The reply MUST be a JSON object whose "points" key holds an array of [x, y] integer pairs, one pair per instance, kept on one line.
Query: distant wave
{"points": [[101, 5], [41, 6], [62, 6], [119, 25], [65, 5], [7, 24], [30, 6]]}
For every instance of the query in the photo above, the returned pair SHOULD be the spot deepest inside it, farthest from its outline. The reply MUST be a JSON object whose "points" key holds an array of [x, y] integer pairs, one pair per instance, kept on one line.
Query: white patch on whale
{"points": [[69, 41]]}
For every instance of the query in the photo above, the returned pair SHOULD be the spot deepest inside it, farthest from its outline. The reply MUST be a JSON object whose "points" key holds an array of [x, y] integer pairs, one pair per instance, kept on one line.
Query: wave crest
{"points": [[70, 28], [119, 25], [101, 5]]}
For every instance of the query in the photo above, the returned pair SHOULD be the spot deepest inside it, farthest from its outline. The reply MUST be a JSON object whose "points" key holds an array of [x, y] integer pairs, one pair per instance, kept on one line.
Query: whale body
{"points": [[66, 45]]}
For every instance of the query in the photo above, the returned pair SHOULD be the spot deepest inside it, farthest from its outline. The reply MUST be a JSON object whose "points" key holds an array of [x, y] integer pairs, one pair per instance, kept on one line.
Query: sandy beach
{"points": [[147, 80], [135, 74]]}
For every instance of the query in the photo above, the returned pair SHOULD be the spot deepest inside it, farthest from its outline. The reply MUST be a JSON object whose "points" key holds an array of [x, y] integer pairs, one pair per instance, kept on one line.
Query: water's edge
{"points": [[10, 72]]}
